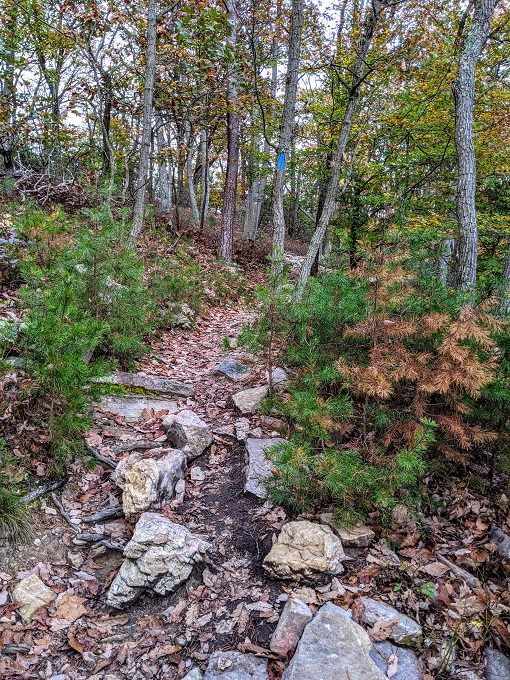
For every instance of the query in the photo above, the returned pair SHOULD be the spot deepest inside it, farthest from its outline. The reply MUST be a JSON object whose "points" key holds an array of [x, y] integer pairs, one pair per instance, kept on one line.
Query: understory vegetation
{"points": [[87, 303], [396, 378]]}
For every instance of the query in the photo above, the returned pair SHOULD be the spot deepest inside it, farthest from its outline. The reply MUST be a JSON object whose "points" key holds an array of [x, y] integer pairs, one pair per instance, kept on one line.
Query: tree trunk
{"points": [[229, 196], [289, 107], [204, 202], [189, 172], [145, 147], [444, 261], [505, 298], [464, 95], [164, 172], [336, 164]]}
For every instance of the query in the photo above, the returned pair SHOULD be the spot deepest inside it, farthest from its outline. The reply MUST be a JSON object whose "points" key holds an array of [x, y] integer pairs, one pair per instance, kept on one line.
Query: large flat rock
{"points": [[233, 369], [405, 631], [333, 647], [236, 666], [32, 594], [249, 401], [259, 467], [131, 407], [407, 666], [305, 551], [151, 383]]}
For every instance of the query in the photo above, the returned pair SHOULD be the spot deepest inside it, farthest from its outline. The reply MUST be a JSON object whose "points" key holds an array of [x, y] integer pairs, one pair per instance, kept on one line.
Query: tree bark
{"points": [[464, 95], [505, 298], [229, 195], [145, 147], [164, 172], [329, 202], [189, 172], [285, 137]]}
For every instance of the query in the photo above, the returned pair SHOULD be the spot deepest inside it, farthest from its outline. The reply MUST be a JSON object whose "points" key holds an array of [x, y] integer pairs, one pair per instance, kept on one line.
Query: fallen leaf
{"points": [[382, 630], [392, 666], [435, 569], [70, 608]]}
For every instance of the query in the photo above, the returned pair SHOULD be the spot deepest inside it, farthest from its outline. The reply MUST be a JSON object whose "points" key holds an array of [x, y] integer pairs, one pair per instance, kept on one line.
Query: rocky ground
{"points": [[163, 559]]}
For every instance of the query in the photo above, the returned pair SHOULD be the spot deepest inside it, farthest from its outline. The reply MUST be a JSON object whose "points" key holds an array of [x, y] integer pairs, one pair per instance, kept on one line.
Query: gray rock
{"points": [[194, 674], [32, 593], [151, 383], [259, 467], [498, 665], [333, 647], [249, 401], [242, 428], [408, 667], [279, 376], [236, 666], [305, 551], [466, 675], [404, 632], [233, 369], [502, 542], [89, 660], [355, 537], [294, 617], [148, 483], [186, 431], [158, 559], [131, 407]]}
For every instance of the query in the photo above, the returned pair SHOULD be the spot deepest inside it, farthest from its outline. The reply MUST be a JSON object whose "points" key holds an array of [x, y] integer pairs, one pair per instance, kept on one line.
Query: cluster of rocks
{"points": [[161, 554]]}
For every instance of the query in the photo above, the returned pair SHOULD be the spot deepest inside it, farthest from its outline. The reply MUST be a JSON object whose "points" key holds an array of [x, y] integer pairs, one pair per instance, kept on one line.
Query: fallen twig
{"points": [[106, 461], [471, 580], [60, 508], [138, 445], [43, 489], [110, 513]]}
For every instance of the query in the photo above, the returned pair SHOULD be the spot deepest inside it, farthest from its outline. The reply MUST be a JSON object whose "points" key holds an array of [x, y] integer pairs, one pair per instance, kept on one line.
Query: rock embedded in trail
{"points": [[404, 632], [233, 369], [294, 617], [356, 537], [236, 666], [148, 482], [131, 407], [502, 542], [384, 655], [249, 401], [258, 465], [279, 376], [151, 383], [158, 559], [333, 647], [498, 665], [305, 551], [194, 674], [32, 594], [188, 432]]}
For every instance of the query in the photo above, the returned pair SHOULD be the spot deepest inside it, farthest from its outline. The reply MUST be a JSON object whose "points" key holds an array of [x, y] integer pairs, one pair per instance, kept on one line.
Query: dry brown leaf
{"points": [[76, 644], [70, 608], [382, 630], [435, 569]]}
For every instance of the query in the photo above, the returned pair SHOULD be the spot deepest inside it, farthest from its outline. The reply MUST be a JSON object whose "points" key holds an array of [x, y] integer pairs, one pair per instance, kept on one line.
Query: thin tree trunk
{"points": [[164, 183], [289, 108], [204, 202], [505, 298], [229, 196], [464, 95], [145, 147], [189, 172], [444, 261], [336, 164]]}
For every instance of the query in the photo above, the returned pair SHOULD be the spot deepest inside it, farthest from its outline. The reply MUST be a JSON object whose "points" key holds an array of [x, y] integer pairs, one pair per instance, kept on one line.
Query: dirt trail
{"points": [[227, 605]]}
